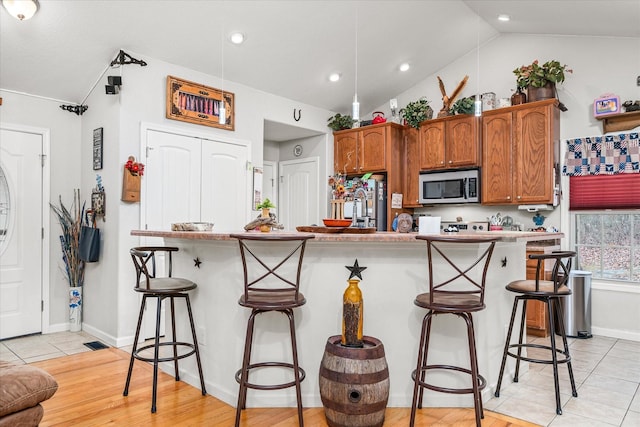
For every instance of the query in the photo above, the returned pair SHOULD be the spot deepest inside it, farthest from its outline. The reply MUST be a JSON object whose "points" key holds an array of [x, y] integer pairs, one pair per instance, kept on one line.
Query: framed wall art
{"points": [[195, 103], [97, 149]]}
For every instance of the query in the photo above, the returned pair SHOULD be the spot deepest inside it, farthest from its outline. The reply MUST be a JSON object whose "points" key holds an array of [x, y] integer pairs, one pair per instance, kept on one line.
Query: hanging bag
{"points": [[89, 250]]}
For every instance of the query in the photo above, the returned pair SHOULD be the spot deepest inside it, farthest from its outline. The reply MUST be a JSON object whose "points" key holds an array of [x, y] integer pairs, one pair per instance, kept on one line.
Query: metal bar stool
{"points": [[459, 293], [281, 293], [549, 292], [160, 288]]}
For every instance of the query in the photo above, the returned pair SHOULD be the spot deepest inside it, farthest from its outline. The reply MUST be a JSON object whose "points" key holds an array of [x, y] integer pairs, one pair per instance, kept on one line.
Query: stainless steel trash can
{"points": [[577, 306]]}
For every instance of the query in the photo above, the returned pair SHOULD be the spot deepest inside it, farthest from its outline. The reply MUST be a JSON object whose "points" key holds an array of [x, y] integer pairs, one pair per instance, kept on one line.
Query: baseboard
{"points": [[616, 333], [101, 335], [58, 327]]}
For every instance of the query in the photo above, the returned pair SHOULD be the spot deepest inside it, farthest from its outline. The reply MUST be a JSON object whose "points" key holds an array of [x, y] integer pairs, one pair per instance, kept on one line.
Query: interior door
{"points": [[20, 233], [224, 194], [299, 193], [270, 183]]}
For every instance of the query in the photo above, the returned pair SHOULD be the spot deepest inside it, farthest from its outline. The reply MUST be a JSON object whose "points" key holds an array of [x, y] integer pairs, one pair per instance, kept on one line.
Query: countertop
{"points": [[378, 237]]}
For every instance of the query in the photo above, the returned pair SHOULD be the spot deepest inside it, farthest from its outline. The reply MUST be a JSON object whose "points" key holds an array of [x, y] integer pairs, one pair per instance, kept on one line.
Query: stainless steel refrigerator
{"points": [[376, 204]]}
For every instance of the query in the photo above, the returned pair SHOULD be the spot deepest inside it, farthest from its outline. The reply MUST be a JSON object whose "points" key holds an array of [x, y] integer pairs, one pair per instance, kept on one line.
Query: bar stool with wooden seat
{"points": [[275, 288], [459, 291], [550, 292], [161, 288]]}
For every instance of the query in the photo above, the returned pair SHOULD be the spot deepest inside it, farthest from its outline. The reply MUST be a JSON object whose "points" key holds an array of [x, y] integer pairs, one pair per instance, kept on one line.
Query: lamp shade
{"points": [[21, 9]]}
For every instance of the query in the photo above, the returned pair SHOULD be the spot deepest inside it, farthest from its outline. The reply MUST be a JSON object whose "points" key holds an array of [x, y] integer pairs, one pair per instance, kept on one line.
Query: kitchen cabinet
{"points": [[366, 149], [537, 319], [374, 148], [520, 150], [411, 142], [449, 142]]}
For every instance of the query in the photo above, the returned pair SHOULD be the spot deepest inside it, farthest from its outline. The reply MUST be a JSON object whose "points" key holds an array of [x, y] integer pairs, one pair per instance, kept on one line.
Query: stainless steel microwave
{"points": [[459, 186]]}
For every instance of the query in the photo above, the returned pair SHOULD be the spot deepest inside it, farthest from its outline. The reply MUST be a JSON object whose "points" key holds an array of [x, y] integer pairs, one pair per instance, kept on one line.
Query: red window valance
{"points": [[621, 191]]}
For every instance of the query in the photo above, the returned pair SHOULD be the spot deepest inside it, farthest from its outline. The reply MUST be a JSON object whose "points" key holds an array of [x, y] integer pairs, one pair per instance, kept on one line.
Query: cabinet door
{"points": [[411, 168], [497, 169], [461, 142], [533, 155], [371, 150], [432, 146], [344, 153]]}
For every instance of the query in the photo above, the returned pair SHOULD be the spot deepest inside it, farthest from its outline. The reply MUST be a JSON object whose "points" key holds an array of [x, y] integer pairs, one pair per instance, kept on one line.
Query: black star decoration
{"points": [[355, 270], [197, 262]]}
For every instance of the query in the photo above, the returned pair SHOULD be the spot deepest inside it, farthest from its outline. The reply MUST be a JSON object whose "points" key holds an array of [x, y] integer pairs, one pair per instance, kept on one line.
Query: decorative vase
{"points": [[519, 97], [265, 214], [548, 91], [352, 310], [75, 308]]}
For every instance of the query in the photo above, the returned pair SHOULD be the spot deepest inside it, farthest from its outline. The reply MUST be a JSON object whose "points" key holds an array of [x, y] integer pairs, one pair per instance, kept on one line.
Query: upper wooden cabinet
{"points": [[520, 146], [411, 195], [449, 142], [366, 149]]}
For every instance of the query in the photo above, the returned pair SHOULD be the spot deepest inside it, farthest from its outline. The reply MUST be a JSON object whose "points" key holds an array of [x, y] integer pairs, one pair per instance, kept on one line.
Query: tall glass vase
{"points": [[75, 308]]}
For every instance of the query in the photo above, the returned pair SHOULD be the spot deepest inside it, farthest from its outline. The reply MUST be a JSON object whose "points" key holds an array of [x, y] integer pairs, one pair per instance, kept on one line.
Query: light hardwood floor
{"points": [[90, 394]]}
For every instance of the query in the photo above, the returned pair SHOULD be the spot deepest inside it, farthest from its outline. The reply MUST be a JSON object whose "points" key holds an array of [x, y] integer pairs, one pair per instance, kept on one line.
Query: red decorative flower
{"points": [[134, 167]]}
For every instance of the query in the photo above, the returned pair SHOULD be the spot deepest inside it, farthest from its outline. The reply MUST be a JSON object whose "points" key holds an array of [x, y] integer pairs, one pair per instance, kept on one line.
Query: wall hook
{"points": [[78, 109], [504, 262], [297, 119]]}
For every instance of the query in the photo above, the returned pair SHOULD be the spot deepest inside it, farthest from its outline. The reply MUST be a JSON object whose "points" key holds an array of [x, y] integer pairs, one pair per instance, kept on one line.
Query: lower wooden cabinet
{"points": [[537, 317]]}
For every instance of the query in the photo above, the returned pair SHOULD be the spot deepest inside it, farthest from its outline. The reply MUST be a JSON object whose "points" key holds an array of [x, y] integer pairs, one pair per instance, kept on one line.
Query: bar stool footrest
{"points": [[301, 371], [566, 358], [137, 355], [481, 381]]}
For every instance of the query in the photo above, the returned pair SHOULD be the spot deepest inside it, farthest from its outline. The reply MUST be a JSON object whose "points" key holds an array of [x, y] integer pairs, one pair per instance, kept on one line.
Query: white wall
{"points": [[65, 170], [601, 65]]}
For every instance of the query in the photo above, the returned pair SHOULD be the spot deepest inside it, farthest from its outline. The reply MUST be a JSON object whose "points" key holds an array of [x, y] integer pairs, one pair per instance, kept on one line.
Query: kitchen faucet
{"points": [[363, 203]]}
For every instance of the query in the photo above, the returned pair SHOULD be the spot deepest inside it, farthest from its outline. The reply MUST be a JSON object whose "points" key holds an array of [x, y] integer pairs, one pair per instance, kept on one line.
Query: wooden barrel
{"points": [[354, 383]]}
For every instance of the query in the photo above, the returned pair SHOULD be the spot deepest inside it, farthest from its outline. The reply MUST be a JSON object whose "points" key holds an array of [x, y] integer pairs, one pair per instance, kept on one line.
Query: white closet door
{"points": [[225, 194], [299, 189], [172, 179]]}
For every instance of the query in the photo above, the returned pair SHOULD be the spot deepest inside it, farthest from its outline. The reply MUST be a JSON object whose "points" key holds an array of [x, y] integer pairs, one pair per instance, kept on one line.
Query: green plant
{"points": [[340, 122], [71, 223], [416, 112], [463, 106], [537, 75], [266, 204]]}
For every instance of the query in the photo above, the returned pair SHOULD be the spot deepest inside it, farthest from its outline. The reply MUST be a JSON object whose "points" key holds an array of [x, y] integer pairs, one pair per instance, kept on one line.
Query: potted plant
{"points": [[340, 122], [265, 206], [540, 80], [416, 112], [464, 106], [71, 224]]}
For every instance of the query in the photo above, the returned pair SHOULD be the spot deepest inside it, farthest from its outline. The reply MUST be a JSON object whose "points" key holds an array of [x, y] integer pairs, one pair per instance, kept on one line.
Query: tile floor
{"points": [[606, 371]]}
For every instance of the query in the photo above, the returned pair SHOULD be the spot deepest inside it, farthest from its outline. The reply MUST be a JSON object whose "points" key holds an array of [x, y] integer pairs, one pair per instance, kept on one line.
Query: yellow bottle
{"points": [[352, 310]]}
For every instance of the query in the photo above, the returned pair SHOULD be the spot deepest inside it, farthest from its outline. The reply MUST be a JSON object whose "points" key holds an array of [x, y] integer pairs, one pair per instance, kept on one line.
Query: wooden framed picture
{"points": [[97, 149], [195, 103]]}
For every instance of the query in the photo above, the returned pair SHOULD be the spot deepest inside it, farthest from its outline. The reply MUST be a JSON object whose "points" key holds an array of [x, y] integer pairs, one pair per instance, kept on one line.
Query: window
{"points": [[608, 244]]}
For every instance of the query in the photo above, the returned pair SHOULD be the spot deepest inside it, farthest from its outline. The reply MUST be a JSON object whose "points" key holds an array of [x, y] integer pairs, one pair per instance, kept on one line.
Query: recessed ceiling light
{"points": [[236, 38], [504, 18], [334, 77], [404, 66]]}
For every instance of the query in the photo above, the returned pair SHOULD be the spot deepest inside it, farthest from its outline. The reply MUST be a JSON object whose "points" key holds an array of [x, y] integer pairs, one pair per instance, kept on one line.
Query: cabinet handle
{"points": [[450, 161], [518, 197], [508, 197]]}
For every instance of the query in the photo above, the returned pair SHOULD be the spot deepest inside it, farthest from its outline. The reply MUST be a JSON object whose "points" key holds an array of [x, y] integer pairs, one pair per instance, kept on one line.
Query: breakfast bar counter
{"points": [[396, 273]]}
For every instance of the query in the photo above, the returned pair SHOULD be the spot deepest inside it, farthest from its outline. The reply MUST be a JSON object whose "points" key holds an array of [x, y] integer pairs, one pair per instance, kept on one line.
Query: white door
{"points": [[270, 183], [224, 191], [172, 180], [20, 233], [299, 193]]}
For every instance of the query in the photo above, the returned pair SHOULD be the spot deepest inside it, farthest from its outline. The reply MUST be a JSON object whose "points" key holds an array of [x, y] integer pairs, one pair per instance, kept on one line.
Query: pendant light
{"points": [[222, 112], [478, 102], [355, 107]]}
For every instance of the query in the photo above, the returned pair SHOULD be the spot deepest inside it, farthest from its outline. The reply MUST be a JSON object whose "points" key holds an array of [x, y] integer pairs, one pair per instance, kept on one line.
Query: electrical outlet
{"points": [[638, 80], [393, 103]]}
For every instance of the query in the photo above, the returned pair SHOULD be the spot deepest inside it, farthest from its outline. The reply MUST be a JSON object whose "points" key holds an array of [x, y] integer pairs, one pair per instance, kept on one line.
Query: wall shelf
{"points": [[621, 121]]}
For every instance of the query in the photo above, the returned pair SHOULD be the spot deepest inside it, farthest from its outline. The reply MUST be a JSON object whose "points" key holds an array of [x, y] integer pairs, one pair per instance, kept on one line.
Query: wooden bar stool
{"points": [[275, 288], [458, 293], [161, 288], [549, 292]]}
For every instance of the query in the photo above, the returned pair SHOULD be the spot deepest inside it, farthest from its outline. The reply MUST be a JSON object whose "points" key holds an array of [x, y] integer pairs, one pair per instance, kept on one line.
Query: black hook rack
{"points": [[123, 58], [297, 119], [78, 109]]}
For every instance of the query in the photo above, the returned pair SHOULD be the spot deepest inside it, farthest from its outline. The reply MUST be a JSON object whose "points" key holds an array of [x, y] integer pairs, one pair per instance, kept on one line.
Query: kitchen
{"points": [[143, 91]]}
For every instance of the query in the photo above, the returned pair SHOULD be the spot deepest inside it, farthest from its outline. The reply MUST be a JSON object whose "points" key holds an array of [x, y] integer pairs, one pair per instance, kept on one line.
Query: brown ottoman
{"points": [[22, 388]]}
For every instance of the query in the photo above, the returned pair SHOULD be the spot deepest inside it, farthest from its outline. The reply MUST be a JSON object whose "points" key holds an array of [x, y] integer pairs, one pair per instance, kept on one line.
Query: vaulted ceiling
{"points": [[291, 47]]}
